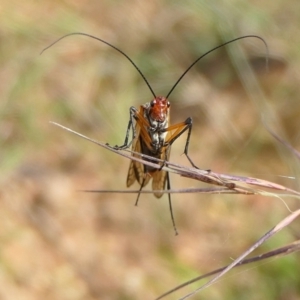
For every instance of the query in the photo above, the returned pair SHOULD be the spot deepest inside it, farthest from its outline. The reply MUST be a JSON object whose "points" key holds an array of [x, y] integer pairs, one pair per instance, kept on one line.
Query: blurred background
{"points": [[60, 243]]}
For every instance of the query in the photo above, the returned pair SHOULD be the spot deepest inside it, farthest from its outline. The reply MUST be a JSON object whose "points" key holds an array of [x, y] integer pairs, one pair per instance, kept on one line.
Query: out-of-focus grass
{"points": [[58, 243]]}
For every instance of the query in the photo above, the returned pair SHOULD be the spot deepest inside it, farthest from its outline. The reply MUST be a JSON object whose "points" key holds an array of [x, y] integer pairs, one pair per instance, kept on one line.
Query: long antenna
{"points": [[120, 51], [215, 48], [184, 73]]}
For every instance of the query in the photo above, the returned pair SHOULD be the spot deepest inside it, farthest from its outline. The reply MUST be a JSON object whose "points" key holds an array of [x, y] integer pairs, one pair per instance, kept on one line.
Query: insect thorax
{"points": [[156, 130]]}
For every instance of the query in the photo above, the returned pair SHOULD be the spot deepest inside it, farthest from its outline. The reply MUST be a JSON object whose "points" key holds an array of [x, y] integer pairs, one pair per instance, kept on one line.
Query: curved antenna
{"points": [[120, 51], [215, 48]]}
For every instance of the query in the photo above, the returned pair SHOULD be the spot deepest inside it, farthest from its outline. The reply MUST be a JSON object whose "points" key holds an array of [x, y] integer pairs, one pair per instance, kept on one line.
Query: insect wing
{"points": [[159, 182], [136, 169]]}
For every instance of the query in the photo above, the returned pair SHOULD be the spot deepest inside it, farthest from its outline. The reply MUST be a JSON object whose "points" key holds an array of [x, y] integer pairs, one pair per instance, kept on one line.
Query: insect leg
{"points": [[141, 187], [186, 148], [180, 129], [170, 203], [132, 114]]}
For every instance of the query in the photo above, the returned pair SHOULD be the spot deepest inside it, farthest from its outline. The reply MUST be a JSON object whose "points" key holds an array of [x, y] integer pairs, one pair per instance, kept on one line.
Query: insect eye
{"points": [[168, 104], [152, 103]]}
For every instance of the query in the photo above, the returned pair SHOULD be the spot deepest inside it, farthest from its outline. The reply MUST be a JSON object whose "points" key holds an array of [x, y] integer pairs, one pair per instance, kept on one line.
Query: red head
{"points": [[159, 109]]}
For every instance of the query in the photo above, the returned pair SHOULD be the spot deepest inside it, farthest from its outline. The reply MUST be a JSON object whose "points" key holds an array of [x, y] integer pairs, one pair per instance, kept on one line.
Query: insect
{"points": [[153, 136], [152, 133]]}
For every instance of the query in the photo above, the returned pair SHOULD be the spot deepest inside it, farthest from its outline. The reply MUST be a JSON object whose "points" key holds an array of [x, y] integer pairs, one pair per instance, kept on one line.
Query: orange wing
{"points": [[136, 169]]}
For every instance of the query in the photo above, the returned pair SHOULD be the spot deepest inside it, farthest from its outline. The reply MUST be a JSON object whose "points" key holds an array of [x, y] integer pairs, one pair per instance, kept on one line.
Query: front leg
{"points": [[132, 115], [179, 129], [189, 122]]}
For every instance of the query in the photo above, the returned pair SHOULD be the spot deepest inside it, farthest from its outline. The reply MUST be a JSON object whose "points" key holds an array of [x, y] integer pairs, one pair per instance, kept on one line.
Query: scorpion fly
{"points": [[152, 133]]}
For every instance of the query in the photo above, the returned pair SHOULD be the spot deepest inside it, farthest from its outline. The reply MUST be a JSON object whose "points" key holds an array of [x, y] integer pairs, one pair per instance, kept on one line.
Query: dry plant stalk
{"points": [[282, 251], [226, 184], [230, 184]]}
